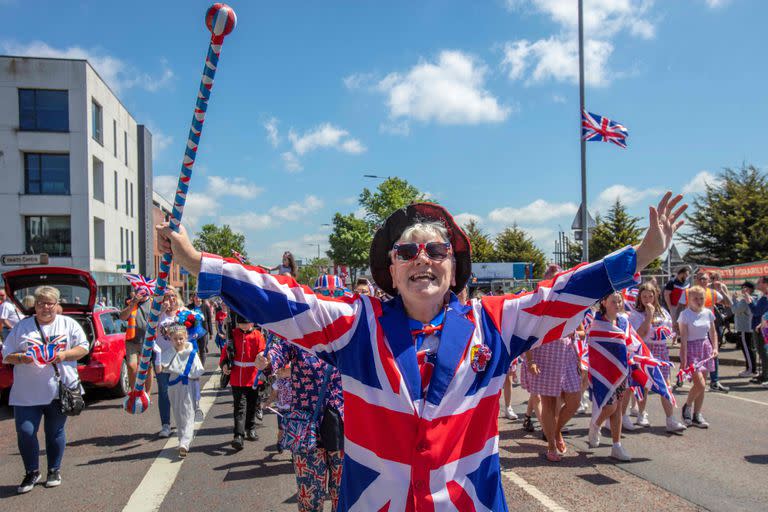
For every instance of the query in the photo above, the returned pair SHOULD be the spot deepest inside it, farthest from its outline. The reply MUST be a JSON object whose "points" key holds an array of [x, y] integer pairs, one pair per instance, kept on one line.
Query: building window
{"points": [[114, 137], [132, 253], [117, 195], [127, 245], [46, 174], [125, 147], [122, 247], [131, 199], [98, 180], [51, 235], [127, 202], [97, 123], [99, 245], [43, 110]]}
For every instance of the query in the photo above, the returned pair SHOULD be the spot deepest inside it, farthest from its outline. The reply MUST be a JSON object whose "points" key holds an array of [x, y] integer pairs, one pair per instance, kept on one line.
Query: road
{"points": [[115, 461]]}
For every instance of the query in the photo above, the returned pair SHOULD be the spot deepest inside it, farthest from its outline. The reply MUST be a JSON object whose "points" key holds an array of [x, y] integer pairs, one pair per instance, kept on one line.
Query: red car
{"points": [[105, 365]]}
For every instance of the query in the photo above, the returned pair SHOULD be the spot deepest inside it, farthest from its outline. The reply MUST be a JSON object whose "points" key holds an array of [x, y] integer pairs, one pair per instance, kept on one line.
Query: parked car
{"points": [[104, 366]]}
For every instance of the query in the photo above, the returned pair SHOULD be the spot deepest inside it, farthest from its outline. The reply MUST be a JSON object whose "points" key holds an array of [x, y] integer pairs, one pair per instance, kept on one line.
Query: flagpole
{"points": [[584, 214]]}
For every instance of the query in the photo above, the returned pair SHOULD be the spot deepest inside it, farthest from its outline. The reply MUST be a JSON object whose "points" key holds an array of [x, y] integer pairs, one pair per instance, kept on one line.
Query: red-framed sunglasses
{"points": [[436, 251]]}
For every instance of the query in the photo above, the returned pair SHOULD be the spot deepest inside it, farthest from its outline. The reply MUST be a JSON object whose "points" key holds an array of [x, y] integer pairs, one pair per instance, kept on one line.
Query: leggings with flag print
{"points": [[315, 471]]}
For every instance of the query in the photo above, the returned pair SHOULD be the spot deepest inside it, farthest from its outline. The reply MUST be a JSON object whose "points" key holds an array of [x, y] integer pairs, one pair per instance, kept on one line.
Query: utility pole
{"points": [[584, 214]]}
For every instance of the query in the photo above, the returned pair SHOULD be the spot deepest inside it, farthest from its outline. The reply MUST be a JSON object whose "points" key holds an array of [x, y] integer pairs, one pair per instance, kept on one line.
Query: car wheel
{"points": [[123, 386]]}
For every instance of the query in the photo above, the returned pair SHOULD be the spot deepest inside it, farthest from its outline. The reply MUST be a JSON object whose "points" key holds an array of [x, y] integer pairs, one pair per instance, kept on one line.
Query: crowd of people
{"points": [[408, 354]]}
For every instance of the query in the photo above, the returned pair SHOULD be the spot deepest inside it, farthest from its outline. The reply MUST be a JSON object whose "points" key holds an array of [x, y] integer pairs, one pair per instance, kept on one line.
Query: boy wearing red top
{"points": [[247, 343]]}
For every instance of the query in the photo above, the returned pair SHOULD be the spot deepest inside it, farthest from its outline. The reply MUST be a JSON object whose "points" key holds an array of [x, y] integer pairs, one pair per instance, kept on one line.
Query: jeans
{"points": [[163, 402], [245, 408], [27, 419]]}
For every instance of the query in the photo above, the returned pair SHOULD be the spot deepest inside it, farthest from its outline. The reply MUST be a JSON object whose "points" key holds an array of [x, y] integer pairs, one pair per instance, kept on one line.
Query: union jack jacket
{"points": [[407, 449]]}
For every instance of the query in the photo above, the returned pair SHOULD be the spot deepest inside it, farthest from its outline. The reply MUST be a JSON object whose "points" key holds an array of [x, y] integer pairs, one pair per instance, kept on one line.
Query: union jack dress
{"points": [[409, 447]]}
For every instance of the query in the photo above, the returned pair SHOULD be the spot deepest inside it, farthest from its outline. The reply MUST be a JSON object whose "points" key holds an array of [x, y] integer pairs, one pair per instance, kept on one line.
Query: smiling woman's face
{"points": [[422, 279]]}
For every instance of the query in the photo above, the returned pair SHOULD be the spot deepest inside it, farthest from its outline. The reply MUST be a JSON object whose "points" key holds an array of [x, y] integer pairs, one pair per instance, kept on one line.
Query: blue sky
{"points": [[475, 102]]}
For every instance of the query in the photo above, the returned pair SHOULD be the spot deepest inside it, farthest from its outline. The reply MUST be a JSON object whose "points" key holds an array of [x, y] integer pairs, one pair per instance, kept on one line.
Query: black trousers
{"points": [[749, 350], [245, 409], [202, 348]]}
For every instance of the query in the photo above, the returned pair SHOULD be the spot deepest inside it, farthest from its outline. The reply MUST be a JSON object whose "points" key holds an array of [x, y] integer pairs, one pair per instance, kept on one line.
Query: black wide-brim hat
{"points": [[392, 229]]}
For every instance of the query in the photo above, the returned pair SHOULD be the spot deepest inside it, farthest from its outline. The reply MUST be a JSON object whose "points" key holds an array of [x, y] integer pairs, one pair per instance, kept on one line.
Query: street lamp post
{"points": [[318, 249]]}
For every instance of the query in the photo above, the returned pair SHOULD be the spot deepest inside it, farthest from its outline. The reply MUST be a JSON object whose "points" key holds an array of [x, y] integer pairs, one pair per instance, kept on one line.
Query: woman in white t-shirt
{"points": [[697, 329], [34, 393], [654, 324]]}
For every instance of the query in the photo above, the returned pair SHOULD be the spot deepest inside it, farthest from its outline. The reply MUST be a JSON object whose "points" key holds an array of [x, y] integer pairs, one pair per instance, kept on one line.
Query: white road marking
{"points": [[542, 498], [151, 492], [737, 397]]}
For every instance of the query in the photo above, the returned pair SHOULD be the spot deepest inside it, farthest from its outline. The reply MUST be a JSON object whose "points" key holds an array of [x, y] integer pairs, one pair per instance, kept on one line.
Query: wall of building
{"points": [[89, 215]]}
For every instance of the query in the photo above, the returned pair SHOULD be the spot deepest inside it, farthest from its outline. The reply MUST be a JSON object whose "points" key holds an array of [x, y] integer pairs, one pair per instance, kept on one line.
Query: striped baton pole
{"points": [[221, 20]]}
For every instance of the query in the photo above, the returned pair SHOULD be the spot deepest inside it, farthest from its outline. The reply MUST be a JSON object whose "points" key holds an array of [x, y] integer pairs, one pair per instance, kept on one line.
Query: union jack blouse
{"points": [[406, 448]]}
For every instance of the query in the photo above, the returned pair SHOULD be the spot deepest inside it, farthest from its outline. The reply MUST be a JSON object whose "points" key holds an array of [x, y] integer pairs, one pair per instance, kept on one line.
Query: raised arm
{"points": [[278, 303]]}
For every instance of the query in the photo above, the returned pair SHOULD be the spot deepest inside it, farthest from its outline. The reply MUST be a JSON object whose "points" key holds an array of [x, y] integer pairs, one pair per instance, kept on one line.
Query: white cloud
{"points": [[273, 135], [160, 141], [629, 196], [699, 183], [543, 237], [558, 98], [402, 128], [450, 91], [607, 17], [236, 187], [538, 211], [325, 136], [117, 73], [358, 80], [197, 207], [247, 221], [290, 162], [295, 210], [714, 4], [462, 219], [556, 57]]}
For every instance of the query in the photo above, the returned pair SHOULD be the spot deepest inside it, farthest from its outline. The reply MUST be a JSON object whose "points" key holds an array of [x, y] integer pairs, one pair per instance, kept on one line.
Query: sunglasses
{"points": [[436, 251], [338, 292]]}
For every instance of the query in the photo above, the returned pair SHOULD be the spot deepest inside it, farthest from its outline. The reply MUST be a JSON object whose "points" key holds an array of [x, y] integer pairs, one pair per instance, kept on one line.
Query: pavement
{"points": [[115, 461]]}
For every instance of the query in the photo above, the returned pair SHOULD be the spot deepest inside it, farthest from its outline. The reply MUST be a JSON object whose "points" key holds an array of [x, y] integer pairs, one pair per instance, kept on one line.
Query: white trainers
{"points": [[509, 413], [674, 426], [626, 423], [165, 431], [199, 416], [619, 453], [594, 435], [634, 411], [642, 419]]}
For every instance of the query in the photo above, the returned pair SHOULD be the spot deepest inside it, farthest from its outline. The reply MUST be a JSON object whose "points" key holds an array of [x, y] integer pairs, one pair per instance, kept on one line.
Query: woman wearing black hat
{"points": [[422, 372]]}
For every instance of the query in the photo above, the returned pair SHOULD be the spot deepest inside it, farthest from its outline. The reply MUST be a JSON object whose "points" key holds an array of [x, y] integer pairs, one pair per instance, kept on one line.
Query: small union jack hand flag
{"points": [[595, 128], [139, 283]]}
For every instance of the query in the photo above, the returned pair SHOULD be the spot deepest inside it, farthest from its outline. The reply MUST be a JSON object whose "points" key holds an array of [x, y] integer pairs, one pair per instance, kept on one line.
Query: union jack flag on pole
{"points": [[139, 282], [595, 128]]}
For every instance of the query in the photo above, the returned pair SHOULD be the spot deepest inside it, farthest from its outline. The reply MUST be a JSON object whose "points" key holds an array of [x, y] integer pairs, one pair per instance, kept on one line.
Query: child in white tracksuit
{"points": [[185, 370]]}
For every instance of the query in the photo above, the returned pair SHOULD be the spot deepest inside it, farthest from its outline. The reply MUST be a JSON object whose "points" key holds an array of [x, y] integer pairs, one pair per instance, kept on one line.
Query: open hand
{"points": [[663, 223]]}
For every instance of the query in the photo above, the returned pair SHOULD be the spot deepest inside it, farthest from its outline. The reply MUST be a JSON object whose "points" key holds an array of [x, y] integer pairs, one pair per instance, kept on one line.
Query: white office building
{"points": [[76, 171]]}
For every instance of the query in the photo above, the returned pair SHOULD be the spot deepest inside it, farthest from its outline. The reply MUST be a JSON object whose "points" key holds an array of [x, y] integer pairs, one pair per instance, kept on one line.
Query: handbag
{"points": [[71, 402], [332, 430], [300, 428]]}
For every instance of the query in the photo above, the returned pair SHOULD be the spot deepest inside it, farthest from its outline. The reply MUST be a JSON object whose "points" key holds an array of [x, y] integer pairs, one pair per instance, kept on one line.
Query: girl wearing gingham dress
{"points": [[654, 324]]}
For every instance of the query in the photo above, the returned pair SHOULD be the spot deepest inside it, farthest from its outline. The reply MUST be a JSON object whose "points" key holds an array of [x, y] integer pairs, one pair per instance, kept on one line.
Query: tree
{"points": [[312, 270], [392, 194], [219, 240], [482, 245], [350, 241], [728, 223], [514, 244], [616, 230]]}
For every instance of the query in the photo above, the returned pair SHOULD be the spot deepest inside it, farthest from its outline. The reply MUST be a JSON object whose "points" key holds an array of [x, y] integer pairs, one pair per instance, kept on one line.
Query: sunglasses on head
{"points": [[437, 251]]}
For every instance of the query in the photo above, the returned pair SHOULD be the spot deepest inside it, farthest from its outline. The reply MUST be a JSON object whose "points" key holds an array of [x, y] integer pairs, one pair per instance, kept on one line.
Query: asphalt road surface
{"points": [[115, 461]]}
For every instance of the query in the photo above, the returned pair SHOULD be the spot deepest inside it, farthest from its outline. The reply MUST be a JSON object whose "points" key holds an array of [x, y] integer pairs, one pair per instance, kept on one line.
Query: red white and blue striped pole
{"points": [[220, 20]]}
